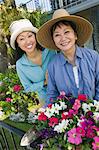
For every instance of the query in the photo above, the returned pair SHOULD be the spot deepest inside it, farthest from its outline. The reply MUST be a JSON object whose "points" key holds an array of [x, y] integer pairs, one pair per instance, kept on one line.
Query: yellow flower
{"points": [[34, 108]]}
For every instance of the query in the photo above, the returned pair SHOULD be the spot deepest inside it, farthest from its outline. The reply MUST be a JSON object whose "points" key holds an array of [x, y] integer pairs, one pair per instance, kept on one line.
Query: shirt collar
{"points": [[78, 52], [64, 60], [44, 54], [26, 61]]}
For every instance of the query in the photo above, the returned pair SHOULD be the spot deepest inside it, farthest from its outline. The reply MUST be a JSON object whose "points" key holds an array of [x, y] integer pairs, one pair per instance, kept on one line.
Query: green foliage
{"points": [[13, 98], [8, 14]]}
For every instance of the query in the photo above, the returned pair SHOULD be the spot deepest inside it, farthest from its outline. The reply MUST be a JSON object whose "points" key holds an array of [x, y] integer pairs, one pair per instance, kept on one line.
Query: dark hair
{"points": [[19, 52], [65, 22]]}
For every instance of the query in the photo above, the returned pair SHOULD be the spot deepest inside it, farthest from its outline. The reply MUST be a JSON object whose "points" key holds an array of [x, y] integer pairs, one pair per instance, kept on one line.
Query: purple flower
{"points": [[47, 133]]}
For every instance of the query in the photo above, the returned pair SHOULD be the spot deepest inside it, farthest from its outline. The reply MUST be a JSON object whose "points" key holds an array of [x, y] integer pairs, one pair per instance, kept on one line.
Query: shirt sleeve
{"points": [[27, 84], [97, 79], [52, 91]]}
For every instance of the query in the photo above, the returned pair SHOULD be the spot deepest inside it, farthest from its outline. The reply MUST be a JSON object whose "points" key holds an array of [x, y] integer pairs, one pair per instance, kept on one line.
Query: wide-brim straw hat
{"points": [[83, 27], [18, 27]]}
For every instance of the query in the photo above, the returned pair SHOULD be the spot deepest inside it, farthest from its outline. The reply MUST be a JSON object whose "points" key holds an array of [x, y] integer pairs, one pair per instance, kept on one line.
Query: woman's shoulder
{"points": [[55, 60], [89, 52], [50, 51], [21, 60]]}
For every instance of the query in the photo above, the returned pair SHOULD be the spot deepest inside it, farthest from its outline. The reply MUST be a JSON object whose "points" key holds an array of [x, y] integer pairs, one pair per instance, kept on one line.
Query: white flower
{"points": [[55, 108], [96, 104], [49, 113], [17, 117], [1, 83], [70, 147], [79, 122], [96, 116], [1, 113], [86, 107], [63, 105], [31, 117], [61, 126]]}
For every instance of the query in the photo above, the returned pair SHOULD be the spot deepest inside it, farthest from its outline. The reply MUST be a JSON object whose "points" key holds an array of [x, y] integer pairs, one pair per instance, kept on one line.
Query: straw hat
{"points": [[83, 27], [18, 27]]}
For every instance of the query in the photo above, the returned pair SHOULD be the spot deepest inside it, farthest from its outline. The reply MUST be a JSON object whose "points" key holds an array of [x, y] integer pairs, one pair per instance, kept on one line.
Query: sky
{"points": [[18, 2]]}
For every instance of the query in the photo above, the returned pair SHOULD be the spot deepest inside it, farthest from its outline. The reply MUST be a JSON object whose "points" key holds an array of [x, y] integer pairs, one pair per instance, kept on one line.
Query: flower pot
{"points": [[79, 147]]}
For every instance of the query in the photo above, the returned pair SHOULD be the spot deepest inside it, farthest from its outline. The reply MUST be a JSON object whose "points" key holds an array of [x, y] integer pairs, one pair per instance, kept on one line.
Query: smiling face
{"points": [[27, 41], [64, 37]]}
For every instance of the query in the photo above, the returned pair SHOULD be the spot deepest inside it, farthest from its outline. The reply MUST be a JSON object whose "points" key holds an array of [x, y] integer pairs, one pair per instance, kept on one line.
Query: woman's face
{"points": [[27, 41], [64, 37]]}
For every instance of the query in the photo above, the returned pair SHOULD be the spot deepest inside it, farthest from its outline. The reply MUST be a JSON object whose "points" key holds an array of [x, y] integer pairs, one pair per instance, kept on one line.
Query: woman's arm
{"points": [[27, 83]]}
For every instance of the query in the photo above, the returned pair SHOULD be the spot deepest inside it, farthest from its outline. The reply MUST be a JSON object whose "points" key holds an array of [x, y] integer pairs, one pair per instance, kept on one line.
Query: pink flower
{"points": [[8, 99], [42, 117], [96, 143], [81, 131], [71, 113], [62, 93], [51, 100], [76, 105], [90, 133], [16, 88], [95, 128], [74, 137], [53, 121], [82, 97]]}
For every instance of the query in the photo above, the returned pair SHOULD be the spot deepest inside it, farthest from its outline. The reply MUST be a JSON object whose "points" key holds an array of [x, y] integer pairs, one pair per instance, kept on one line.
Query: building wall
{"points": [[92, 15]]}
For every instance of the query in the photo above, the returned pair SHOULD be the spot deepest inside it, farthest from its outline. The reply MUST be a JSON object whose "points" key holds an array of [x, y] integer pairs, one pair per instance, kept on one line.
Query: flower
{"points": [[82, 97], [14, 101], [96, 143], [16, 88], [74, 137], [8, 99], [17, 103], [72, 122]]}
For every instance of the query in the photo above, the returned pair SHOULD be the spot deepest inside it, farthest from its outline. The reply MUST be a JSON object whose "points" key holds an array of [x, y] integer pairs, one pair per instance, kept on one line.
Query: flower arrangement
{"points": [[14, 102], [67, 124]]}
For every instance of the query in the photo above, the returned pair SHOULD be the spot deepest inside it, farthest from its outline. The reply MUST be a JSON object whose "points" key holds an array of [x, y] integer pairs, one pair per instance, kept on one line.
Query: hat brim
{"points": [[83, 27], [17, 32]]}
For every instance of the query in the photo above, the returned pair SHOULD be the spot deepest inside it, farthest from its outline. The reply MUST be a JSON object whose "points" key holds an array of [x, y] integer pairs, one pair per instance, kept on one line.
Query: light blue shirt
{"points": [[61, 75], [31, 75]]}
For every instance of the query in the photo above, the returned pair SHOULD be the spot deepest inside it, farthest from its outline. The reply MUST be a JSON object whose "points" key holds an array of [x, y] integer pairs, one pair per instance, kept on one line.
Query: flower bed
{"points": [[66, 124]]}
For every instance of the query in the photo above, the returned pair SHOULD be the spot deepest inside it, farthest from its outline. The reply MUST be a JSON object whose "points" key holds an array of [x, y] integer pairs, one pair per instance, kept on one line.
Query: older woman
{"points": [[32, 58], [75, 69]]}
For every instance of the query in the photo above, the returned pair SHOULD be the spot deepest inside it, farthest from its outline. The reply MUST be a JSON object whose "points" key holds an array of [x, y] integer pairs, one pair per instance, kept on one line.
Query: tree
{"points": [[8, 13]]}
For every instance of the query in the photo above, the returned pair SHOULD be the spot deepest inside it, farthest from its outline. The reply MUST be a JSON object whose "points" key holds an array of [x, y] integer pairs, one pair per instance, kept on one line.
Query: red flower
{"points": [[64, 115], [82, 97], [42, 117], [53, 121], [16, 88], [49, 106]]}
